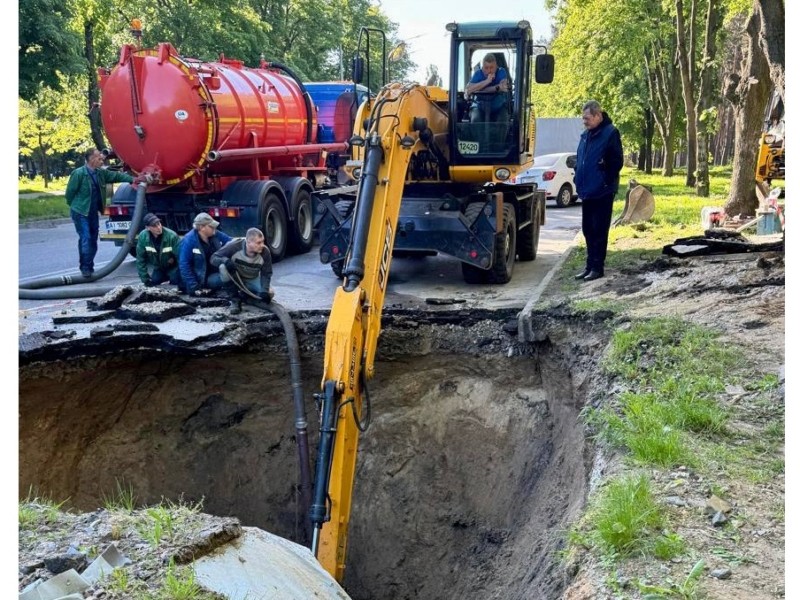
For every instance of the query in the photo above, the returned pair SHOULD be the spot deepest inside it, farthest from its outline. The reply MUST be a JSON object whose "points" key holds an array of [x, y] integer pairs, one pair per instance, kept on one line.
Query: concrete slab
{"points": [[262, 566]]}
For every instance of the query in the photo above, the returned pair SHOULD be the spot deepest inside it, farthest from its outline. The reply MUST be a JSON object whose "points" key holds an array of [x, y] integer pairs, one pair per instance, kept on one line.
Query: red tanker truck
{"points": [[238, 143]]}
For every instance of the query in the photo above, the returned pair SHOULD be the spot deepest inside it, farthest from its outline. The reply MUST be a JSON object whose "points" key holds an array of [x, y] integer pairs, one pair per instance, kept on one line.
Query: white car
{"points": [[553, 173]]}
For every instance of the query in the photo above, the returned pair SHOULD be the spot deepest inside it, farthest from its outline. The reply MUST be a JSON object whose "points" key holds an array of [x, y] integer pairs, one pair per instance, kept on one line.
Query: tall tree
{"points": [[47, 46], [52, 122], [748, 92], [705, 109], [686, 54], [772, 41]]}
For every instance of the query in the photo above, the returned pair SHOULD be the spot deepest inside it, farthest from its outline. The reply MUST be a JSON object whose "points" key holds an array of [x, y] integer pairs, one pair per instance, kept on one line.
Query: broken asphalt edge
{"points": [[525, 318]]}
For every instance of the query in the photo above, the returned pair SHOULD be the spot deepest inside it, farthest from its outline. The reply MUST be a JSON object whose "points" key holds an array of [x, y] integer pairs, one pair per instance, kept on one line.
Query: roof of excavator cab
{"points": [[483, 29]]}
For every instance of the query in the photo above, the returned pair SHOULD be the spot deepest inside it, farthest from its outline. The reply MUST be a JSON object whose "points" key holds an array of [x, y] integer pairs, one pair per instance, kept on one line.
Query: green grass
{"points": [[121, 500], [684, 590], [31, 186], [624, 517], [180, 584], [36, 510], [672, 371], [42, 207]]}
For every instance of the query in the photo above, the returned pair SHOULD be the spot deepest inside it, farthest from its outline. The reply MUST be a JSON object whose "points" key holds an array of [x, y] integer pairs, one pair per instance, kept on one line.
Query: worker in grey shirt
{"points": [[248, 260]]}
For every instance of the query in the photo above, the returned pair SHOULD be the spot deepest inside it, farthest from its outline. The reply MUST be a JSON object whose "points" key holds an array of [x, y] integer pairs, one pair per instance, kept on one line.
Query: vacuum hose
{"points": [[31, 290], [300, 423]]}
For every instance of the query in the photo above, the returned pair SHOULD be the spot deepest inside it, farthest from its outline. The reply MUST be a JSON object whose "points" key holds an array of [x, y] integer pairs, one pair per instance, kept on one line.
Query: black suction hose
{"points": [[300, 423], [31, 290]]}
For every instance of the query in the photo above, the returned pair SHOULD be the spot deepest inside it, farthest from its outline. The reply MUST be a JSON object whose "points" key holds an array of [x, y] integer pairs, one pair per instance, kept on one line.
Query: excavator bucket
{"points": [[639, 205]]}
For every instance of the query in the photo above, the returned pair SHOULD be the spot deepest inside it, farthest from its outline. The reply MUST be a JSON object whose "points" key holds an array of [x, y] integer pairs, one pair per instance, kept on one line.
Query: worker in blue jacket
{"points": [[596, 182], [197, 247]]}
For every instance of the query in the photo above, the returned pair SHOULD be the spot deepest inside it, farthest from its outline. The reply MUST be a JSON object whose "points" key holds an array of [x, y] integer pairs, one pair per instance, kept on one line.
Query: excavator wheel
{"points": [[528, 237], [505, 248]]}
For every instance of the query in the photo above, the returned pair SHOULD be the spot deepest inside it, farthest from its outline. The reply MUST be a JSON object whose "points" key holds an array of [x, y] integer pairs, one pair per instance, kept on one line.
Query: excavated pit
{"points": [[472, 469]]}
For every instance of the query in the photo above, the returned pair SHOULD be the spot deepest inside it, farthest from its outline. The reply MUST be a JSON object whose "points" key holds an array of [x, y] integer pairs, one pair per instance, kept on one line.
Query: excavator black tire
{"points": [[505, 248], [528, 237]]}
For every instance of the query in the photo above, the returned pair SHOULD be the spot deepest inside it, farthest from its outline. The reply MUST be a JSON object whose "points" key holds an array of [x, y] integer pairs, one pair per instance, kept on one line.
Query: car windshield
{"points": [[545, 161]]}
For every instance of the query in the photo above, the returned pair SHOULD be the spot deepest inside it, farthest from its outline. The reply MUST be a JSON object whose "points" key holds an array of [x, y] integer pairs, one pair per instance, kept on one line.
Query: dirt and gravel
{"points": [[475, 465]]}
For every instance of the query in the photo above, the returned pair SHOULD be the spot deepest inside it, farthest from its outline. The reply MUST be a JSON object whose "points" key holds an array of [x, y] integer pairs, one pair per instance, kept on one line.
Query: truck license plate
{"points": [[112, 226]]}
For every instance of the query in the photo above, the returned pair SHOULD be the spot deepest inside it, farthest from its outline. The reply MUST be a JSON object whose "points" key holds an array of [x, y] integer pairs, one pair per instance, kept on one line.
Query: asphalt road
{"points": [[303, 283]]}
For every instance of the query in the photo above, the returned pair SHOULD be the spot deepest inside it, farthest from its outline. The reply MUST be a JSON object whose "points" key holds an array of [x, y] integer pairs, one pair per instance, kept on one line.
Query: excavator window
{"points": [[485, 120]]}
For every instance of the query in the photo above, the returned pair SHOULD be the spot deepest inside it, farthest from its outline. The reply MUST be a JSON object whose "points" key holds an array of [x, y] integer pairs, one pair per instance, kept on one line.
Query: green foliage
{"points": [[48, 47], [668, 546], [42, 207], [624, 516], [675, 370], [31, 186], [121, 500], [38, 509], [179, 584], [159, 522], [686, 590]]}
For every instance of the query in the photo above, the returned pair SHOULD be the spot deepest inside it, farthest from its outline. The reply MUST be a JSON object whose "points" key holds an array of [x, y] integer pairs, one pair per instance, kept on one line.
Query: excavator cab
{"points": [[493, 126]]}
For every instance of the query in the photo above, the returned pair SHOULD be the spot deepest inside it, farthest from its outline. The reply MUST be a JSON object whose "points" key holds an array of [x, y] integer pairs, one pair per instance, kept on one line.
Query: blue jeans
{"points": [[88, 229]]}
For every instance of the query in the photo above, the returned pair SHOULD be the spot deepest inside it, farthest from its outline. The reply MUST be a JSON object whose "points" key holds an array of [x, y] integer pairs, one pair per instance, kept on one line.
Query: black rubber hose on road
{"points": [[31, 290]]}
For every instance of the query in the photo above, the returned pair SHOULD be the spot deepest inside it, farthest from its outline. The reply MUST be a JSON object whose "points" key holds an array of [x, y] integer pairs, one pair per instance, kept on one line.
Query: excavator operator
{"points": [[487, 91]]}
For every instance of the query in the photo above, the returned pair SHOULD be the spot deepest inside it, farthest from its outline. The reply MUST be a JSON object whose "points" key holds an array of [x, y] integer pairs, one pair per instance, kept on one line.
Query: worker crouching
{"points": [[245, 267], [157, 252]]}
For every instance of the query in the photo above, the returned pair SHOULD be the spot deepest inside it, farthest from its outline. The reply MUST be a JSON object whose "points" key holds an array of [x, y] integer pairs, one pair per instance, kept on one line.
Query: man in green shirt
{"points": [[157, 253], [86, 197]]}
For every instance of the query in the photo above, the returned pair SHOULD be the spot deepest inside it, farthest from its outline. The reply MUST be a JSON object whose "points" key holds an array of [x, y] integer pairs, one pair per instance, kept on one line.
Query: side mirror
{"points": [[358, 69], [545, 68]]}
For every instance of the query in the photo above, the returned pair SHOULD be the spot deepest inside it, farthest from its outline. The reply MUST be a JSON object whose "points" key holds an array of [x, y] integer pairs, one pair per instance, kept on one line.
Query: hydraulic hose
{"points": [[31, 290]]}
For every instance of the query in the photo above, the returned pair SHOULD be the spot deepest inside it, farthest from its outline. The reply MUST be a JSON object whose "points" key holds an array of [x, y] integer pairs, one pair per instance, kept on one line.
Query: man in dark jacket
{"points": [[197, 246], [86, 197], [157, 253], [596, 182], [249, 261]]}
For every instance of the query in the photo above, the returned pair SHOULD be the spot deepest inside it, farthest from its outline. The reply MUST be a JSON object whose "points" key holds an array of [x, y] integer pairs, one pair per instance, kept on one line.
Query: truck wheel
{"points": [[337, 267], [275, 227], [505, 248], [301, 235], [564, 197], [528, 238]]}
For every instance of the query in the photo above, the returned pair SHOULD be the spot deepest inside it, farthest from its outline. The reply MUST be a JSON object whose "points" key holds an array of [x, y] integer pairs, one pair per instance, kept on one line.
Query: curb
{"points": [[524, 319], [44, 223]]}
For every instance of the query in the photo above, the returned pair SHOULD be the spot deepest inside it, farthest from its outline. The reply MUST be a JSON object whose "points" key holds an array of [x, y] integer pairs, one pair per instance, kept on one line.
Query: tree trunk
{"points": [[748, 92], [662, 85], [93, 92], [772, 41], [686, 61], [649, 130], [45, 166], [704, 97]]}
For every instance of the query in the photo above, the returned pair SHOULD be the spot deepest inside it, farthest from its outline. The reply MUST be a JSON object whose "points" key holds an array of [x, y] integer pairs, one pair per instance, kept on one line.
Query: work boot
{"points": [[592, 275], [87, 272], [236, 306], [582, 274]]}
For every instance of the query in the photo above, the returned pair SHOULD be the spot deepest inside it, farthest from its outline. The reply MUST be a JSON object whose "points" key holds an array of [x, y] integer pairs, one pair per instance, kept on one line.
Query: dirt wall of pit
{"points": [[473, 467]]}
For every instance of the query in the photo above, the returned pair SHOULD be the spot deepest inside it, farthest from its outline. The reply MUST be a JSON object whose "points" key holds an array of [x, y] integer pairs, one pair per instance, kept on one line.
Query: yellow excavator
{"points": [[430, 168]]}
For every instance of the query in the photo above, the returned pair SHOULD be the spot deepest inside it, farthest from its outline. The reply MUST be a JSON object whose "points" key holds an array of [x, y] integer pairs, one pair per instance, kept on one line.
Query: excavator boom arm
{"points": [[403, 120]]}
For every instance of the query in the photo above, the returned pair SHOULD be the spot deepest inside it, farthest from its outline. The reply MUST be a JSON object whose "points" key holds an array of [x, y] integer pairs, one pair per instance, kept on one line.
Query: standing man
{"points": [[490, 84], [194, 260], [86, 197], [157, 253], [596, 182], [250, 260]]}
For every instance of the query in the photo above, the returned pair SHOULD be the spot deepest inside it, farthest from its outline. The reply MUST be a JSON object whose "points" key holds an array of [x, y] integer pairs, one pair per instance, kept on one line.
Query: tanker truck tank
{"points": [[239, 143]]}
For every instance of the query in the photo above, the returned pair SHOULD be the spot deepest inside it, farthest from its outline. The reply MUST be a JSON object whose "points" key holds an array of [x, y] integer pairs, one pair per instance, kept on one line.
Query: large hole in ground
{"points": [[467, 478]]}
